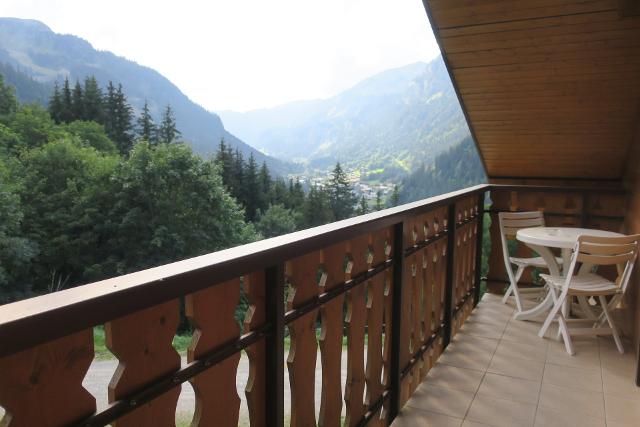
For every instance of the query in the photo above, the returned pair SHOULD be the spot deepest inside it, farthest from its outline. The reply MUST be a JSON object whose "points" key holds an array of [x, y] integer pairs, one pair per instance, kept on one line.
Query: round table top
{"points": [[559, 237]]}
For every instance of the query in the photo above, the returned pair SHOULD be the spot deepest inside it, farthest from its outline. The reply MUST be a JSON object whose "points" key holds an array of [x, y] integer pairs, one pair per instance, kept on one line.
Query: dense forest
{"points": [[457, 168], [89, 191]]}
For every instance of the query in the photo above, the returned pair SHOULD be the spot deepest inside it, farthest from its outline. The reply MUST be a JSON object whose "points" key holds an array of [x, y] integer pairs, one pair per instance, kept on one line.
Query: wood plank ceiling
{"points": [[551, 87]]}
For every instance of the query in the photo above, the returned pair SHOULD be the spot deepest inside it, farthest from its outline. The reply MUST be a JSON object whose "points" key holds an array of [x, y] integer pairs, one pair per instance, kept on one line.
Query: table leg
{"points": [[547, 303]]}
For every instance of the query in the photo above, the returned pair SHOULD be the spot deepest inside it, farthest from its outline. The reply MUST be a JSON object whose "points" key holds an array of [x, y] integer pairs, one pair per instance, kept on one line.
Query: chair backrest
{"points": [[510, 223], [619, 251]]}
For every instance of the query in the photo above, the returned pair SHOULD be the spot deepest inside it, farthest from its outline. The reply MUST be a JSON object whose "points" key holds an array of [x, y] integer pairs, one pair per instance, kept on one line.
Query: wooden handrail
{"points": [[425, 254]]}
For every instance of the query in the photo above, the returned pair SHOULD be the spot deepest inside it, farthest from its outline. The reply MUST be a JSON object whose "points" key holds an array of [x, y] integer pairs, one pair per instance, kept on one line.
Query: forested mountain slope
{"points": [[456, 168], [399, 118], [47, 57]]}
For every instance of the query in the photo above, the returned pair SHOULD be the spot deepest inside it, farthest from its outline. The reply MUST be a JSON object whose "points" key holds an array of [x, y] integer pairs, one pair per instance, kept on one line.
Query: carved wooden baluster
{"points": [[142, 343], [441, 275], [331, 314], [254, 286], [388, 306], [212, 312], [375, 318], [417, 336], [301, 362], [355, 319], [42, 386]]}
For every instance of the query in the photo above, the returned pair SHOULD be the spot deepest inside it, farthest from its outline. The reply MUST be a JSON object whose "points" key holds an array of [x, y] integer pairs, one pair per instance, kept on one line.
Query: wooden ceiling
{"points": [[551, 88]]}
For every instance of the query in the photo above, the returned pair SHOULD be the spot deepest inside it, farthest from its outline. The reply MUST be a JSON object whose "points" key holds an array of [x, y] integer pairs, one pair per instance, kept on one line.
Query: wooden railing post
{"points": [[274, 405], [479, 246], [448, 295], [395, 374]]}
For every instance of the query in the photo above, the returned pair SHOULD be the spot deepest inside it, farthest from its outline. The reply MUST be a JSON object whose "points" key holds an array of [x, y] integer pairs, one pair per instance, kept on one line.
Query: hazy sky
{"points": [[246, 54]]}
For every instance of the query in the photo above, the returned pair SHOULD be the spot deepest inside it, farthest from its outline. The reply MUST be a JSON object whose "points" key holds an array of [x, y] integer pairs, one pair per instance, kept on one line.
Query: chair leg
{"points": [[564, 330], [516, 291], [552, 314], [614, 330], [507, 294]]}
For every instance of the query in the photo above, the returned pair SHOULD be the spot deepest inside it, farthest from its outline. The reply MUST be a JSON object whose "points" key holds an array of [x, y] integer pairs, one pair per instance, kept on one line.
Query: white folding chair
{"points": [[592, 251], [510, 223]]}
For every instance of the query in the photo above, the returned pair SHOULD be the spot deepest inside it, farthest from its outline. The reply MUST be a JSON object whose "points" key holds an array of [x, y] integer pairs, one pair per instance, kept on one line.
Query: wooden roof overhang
{"points": [[550, 88]]}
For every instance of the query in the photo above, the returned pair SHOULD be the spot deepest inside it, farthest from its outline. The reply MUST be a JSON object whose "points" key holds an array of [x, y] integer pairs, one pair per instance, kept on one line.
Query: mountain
{"points": [[456, 168], [397, 119], [32, 48]]}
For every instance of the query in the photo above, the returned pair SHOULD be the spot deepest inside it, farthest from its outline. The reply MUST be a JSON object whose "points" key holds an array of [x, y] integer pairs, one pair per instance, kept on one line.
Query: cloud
{"points": [[246, 54]]}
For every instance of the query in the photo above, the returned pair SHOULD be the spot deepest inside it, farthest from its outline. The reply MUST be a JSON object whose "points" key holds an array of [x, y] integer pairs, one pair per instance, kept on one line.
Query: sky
{"points": [[247, 54]]}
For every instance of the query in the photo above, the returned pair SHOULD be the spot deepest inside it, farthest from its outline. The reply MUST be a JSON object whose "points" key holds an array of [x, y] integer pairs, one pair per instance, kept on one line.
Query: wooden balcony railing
{"points": [[408, 277]]}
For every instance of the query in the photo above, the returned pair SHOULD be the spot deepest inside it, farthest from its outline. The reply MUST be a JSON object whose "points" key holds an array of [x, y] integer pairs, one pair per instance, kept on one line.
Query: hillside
{"points": [[398, 119], [46, 57], [456, 168]]}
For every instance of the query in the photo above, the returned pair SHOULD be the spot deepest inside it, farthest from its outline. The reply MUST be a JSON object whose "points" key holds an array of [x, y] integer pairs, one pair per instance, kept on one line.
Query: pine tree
{"points": [[251, 189], [379, 205], [118, 118], [93, 102], [341, 194], [66, 112], [8, 101], [363, 208], [77, 102], [317, 207], [168, 132], [265, 187], [395, 196], [146, 128], [55, 104]]}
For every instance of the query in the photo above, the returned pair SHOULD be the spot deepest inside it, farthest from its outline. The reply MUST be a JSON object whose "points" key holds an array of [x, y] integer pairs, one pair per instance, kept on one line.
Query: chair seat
{"points": [[583, 284], [532, 262]]}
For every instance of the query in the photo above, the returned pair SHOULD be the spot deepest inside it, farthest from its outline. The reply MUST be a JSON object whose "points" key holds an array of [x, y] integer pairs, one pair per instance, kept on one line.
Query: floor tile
{"points": [[509, 388], [453, 377], [577, 378], [500, 412], [571, 400], [415, 417], [620, 384], [622, 410], [482, 329], [467, 351], [469, 423], [446, 401], [520, 350], [547, 417], [518, 368], [587, 354]]}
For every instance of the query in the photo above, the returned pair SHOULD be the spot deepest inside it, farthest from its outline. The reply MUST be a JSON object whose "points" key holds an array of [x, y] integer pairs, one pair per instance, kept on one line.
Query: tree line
{"points": [[88, 103], [89, 190]]}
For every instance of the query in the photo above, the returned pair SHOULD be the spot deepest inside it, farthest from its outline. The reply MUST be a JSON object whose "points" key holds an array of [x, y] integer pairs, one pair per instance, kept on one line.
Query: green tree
{"points": [[66, 112], [317, 208], [93, 100], [296, 194], [379, 204], [118, 118], [92, 134], [395, 196], [77, 102], [62, 181], [341, 194], [34, 126], [168, 133], [16, 251], [147, 130], [363, 208], [55, 104], [266, 182], [277, 220], [8, 102], [169, 204], [251, 189]]}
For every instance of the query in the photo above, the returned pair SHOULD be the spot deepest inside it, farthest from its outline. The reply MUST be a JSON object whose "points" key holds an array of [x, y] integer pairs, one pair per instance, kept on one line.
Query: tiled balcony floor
{"points": [[497, 372]]}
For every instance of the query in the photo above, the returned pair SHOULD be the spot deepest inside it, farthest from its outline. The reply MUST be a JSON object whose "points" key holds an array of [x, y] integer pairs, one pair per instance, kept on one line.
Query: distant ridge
{"points": [[395, 120]]}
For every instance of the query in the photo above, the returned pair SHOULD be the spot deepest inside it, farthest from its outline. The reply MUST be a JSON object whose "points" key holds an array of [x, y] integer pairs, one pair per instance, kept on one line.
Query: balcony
{"points": [[402, 287]]}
